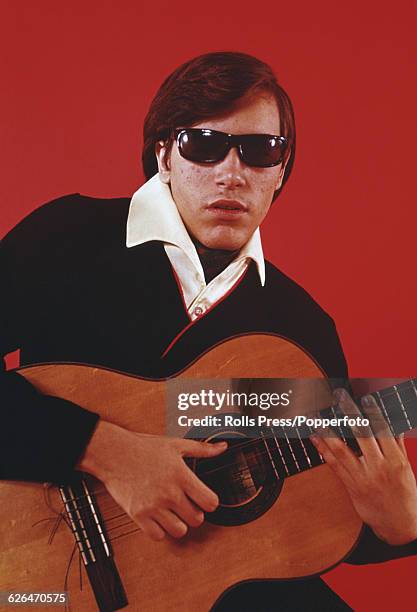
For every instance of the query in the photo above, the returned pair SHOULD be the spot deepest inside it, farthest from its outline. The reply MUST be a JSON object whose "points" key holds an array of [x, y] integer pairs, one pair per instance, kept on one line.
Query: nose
{"points": [[230, 171]]}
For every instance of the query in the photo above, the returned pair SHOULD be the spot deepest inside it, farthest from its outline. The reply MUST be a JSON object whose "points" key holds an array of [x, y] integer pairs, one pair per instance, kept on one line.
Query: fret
{"points": [[298, 450], [339, 427], [288, 452], [314, 457], [403, 408], [275, 447], [284, 463], [303, 447], [268, 450], [293, 448], [408, 395], [344, 430], [392, 409], [384, 410]]}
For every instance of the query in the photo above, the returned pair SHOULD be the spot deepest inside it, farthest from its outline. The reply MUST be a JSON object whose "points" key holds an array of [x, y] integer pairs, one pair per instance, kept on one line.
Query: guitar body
{"points": [[309, 528]]}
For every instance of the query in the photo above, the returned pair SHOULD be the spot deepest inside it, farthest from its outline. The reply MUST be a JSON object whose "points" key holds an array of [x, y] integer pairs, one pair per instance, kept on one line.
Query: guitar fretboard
{"points": [[399, 405], [290, 451]]}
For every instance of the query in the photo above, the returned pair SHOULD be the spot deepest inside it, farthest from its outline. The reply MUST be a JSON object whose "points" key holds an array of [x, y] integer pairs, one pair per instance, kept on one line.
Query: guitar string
{"points": [[294, 448], [124, 515], [297, 429], [255, 441], [94, 541], [234, 448], [283, 464], [120, 526], [122, 535], [299, 439], [93, 534], [261, 453], [287, 444], [250, 442], [104, 510], [237, 447]]}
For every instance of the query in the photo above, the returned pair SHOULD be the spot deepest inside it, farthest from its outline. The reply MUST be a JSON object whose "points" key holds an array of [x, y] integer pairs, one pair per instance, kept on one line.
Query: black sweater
{"points": [[72, 291]]}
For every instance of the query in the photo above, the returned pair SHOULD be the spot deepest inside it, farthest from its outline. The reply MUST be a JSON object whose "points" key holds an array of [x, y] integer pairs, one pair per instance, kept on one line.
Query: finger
{"points": [[192, 448], [151, 529], [171, 523], [401, 443], [363, 434], [199, 493], [373, 412], [341, 451], [340, 469], [380, 427], [188, 512]]}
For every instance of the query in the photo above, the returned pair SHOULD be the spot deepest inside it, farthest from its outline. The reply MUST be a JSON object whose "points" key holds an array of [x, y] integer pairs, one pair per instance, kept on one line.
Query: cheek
{"points": [[265, 180], [188, 191], [190, 184], [265, 190]]}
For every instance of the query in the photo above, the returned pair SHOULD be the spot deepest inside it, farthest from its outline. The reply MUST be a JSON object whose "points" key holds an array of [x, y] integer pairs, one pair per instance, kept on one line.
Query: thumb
{"points": [[192, 448]]}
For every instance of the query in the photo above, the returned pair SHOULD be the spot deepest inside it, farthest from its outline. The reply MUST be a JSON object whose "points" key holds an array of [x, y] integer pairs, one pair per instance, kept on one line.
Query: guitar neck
{"points": [[399, 405], [291, 451]]}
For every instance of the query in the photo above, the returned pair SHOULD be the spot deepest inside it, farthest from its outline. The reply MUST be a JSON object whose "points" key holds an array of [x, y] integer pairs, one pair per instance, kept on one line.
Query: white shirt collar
{"points": [[153, 215]]}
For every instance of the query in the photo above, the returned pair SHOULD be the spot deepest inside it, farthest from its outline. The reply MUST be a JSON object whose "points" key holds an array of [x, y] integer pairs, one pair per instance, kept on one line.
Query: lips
{"points": [[227, 207]]}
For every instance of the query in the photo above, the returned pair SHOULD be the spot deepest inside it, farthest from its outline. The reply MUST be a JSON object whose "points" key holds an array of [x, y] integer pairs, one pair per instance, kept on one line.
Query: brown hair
{"points": [[210, 85]]}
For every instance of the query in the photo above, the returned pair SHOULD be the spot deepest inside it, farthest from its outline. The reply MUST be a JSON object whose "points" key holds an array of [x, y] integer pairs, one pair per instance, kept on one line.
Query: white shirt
{"points": [[153, 215]]}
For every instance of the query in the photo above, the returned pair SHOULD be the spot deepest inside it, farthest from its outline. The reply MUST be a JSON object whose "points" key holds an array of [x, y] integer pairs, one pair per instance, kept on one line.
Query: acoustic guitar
{"points": [[282, 514]]}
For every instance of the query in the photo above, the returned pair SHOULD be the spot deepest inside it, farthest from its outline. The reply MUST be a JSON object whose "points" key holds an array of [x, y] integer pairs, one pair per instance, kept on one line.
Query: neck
{"points": [[214, 261]]}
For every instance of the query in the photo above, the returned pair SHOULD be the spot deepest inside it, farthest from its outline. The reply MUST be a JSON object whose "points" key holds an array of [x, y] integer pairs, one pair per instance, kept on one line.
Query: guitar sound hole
{"points": [[243, 477], [237, 475]]}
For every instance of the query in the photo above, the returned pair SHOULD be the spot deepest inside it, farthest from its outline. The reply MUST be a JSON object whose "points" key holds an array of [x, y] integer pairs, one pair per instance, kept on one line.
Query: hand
{"points": [[148, 478], [381, 483]]}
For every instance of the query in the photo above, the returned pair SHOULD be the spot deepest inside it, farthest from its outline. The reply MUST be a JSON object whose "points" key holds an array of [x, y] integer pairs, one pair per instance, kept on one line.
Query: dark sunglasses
{"points": [[209, 146]]}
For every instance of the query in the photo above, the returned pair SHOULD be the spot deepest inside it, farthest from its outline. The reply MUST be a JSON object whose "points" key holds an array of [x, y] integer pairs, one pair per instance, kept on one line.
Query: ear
{"points": [[162, 158]]}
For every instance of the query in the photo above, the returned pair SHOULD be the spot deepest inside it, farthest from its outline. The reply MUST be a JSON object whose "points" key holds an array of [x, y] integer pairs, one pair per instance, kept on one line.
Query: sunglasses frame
{"points": [[232, 141]]}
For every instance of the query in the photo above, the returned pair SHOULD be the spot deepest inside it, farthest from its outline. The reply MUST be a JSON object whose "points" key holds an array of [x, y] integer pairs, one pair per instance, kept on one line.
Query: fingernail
{"points": [[314, 439], [367, 400], [340, 394]]}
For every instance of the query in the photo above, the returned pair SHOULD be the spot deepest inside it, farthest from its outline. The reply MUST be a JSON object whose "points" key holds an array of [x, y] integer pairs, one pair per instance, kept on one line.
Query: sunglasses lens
{"points": [[262, 150], [208, 146], [202, 145]]}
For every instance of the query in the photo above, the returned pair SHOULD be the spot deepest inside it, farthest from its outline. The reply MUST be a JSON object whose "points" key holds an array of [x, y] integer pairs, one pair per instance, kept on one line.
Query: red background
{"points": [[78, 78]]}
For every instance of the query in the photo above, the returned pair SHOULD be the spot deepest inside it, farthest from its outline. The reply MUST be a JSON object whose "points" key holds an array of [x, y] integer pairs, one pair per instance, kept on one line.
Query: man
{"points": [[146, 285]]}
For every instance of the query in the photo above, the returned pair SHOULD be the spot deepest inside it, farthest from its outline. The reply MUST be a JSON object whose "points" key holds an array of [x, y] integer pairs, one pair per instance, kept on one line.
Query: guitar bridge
{"points": [[87, 525]]}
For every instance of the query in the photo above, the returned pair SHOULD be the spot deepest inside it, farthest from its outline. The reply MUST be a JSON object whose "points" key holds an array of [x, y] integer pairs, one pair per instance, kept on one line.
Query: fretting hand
{"points": [[380, 482]]}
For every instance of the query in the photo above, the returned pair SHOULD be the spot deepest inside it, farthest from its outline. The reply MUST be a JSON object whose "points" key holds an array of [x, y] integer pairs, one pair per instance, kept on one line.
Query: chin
{"points": [[223, 245], [223, 241]]}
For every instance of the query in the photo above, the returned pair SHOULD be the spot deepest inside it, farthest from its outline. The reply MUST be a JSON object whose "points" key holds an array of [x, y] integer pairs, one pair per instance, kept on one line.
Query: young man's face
{"points": [[205, 193]]}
